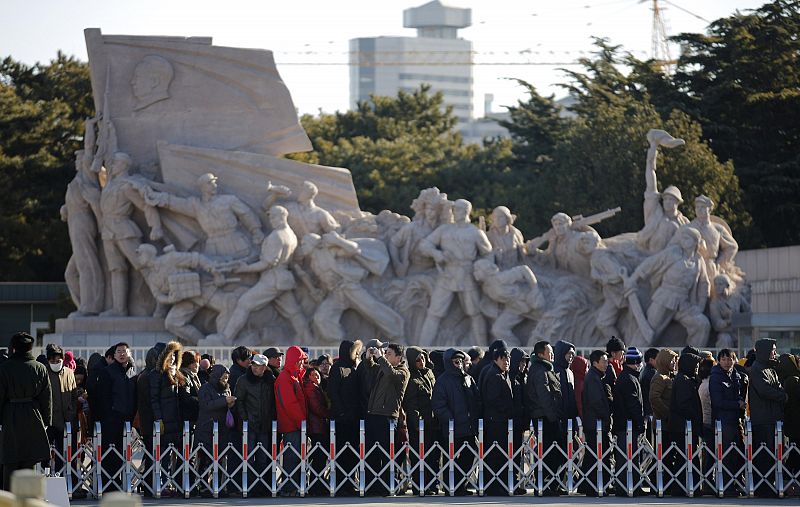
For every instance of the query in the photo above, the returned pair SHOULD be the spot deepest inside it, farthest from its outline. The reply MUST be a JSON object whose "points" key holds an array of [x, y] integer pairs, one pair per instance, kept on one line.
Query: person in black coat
{"points": [[767, 399], [116, 404], [168, 391], [25, 409], [646, 376], [144, 406], [498, 408], [214, 402], [545, 403], [518, 372], [456, 398], [727, 406], [597, 402], [685, 406], [628, 406], [345, 394], [563, 354], [485, 362]]}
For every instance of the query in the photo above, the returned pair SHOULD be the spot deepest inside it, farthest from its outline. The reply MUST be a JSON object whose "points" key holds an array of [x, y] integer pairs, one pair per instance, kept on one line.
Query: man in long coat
{"points": [[25, 409]]}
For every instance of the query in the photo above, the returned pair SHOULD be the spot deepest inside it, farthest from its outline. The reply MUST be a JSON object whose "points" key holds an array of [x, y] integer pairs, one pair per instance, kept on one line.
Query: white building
{"points": [[436, 56]]}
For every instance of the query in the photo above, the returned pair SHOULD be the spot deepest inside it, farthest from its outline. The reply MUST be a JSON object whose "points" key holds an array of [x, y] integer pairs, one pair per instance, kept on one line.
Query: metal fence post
{"points": [[659, 459], [422, 486], [362, 476], [689, 463], [719, 454], [274, 458], [68, 457], [600, 485], [629, 454], [187, 454], [392, 481], [570, 458], [302, 451], [98, 459], [126, 449], [481, 478], [215, 449], [540, 458], [779, 458], [451, 475], [157, 459], [511, 457], [245, 453], [332, 461], [749, 446]]}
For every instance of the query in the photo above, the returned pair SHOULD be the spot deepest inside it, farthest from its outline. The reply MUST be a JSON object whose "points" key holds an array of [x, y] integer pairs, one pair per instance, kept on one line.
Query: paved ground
{"points": [[461, 501]]}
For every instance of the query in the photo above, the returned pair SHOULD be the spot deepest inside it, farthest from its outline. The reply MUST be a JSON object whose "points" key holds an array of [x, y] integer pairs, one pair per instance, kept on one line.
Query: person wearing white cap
{"points": [[255, 403], [661, 215]]}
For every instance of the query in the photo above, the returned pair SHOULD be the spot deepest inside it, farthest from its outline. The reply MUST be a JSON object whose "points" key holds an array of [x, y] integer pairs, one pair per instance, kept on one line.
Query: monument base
{"points": [[106, 331]]}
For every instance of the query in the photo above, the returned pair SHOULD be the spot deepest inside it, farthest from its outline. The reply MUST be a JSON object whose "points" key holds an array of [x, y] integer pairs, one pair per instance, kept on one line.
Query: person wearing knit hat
{"points": [[628, 406], [615, 348], [26, 401], [633, 356]]}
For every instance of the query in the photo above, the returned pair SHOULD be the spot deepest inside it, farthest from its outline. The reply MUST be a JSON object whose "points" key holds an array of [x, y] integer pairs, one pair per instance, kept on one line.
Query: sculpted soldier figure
{"points": [[661, 220], [719, 246], [682, 290], [609, 272], [305, 217], [404, 245], [173, 279], [507, 242], [516, 289], [275, 284], [722, 308], [84, 275], [340, 264], [121, 236], [219, 217], [454, 247]]}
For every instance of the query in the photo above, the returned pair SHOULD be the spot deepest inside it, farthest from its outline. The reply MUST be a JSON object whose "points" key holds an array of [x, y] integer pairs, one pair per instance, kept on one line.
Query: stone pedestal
{"points": [[99, 332]]}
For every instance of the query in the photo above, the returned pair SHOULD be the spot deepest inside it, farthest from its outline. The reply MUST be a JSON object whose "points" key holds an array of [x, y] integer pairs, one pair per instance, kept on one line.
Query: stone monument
{"points": [[185, 222]]}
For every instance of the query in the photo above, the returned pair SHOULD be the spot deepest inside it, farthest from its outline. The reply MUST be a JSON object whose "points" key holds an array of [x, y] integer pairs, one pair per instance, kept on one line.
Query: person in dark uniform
{"points": [[25, 409]]}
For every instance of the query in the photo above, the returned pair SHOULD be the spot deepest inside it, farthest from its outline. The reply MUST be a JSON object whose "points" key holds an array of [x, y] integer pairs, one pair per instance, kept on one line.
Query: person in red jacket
{"points": [[292, 410], [318, 426], [579, 367]]}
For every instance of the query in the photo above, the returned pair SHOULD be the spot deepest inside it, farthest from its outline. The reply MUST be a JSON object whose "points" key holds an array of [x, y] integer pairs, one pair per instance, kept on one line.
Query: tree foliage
{"points": [[42, 109], [741, 82]]}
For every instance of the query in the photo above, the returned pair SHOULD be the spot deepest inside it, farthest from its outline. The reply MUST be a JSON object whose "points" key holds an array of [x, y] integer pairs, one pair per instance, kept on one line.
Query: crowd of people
{"points": [[395, 386]]}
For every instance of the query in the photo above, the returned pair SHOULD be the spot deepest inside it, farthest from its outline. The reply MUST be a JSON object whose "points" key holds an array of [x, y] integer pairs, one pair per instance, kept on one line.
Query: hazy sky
{"points": [[511, 38]]}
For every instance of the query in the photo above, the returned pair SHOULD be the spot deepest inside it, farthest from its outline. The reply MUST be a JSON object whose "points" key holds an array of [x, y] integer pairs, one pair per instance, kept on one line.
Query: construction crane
{"points": [[659, 46]]}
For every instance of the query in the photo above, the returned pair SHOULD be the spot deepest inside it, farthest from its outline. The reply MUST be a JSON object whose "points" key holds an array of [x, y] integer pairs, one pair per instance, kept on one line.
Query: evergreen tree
{"points": [[42, 109]]}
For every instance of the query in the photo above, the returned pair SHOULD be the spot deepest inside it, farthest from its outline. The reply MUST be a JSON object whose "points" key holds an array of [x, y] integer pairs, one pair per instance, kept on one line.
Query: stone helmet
{"points": [[206, 178], [674, 192]]}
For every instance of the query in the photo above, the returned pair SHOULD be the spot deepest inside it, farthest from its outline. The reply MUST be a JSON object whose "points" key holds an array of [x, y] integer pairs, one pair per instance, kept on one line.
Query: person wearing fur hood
{"points": [[167, 389]]}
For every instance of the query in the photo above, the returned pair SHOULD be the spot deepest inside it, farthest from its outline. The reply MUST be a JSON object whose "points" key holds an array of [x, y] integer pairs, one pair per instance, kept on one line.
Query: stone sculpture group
{"points": [[270, 251]]}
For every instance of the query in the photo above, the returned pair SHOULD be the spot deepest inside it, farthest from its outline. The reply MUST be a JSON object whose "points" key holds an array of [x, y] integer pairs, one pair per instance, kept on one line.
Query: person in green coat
{"points": [[25, 409]]}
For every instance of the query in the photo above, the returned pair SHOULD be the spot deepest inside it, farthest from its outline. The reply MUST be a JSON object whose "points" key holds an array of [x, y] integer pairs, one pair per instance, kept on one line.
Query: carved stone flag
{"points": [[184, 90]]}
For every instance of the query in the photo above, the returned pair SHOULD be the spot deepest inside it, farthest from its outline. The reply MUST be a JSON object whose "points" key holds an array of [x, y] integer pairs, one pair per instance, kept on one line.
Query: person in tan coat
{"points": [[661, 385]]}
